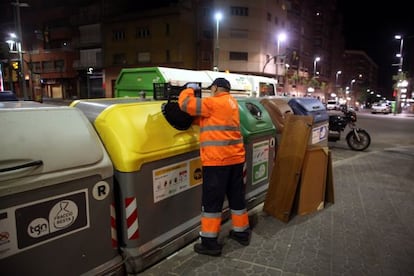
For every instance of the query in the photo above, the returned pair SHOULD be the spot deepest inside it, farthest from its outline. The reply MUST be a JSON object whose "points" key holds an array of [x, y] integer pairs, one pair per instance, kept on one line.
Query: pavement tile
{"points": [[369, 230]]}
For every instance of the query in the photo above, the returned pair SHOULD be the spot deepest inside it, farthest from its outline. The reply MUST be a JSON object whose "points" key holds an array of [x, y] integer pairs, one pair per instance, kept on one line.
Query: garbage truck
{"points": [[138, 82]]}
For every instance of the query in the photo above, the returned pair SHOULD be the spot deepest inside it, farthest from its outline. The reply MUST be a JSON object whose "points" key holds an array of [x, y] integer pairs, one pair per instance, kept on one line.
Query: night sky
{"points": [[372, 29]]}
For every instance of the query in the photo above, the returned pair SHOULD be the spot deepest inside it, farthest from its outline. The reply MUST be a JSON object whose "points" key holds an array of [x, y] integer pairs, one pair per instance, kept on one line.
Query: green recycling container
{"points": [[259, 135]]}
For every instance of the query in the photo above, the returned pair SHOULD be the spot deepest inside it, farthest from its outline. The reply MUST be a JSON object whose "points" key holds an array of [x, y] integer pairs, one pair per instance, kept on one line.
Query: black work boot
{"points": [[208, 246], [241, 237]]}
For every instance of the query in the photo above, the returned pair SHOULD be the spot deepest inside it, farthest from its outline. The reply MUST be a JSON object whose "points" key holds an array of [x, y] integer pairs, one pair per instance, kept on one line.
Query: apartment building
{"points": [[359, 76], [93, 40]]}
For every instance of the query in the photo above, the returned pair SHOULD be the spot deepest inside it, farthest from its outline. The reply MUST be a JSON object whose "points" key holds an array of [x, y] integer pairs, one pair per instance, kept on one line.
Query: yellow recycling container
{"points": [[157, 177]]}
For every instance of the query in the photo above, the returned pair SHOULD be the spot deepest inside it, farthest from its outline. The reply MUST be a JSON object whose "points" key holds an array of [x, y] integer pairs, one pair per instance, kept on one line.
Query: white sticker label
{"points": [[319, 133], [101, 190]]}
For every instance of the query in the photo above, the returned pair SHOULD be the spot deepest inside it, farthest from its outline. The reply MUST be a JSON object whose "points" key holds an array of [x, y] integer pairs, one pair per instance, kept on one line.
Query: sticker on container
{"points": [[171, 180], [260, 161], [319, 133], [101, 190], [29, 225]]}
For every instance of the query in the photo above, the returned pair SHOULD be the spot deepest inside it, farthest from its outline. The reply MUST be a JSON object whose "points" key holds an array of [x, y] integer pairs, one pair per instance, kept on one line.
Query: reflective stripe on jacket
{"points": [[221, 142]]}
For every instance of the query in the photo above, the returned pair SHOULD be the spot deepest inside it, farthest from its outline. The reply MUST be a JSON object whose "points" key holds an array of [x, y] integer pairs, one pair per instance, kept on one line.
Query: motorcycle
{"points": [[357, 138]]}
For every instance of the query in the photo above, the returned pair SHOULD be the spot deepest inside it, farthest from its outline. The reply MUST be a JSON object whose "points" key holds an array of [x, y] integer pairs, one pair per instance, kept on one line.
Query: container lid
{"points": [[47, 140], [309, 104], [138, 133], [91, 108], [254, 118]]}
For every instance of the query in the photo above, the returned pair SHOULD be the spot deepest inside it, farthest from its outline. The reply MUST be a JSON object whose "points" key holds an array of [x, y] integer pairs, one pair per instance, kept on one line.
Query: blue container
{"points": [[309, 106]]}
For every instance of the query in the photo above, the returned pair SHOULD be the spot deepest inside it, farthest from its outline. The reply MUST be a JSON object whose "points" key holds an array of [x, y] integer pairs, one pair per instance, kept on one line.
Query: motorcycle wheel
{"points": [[358, 144]]}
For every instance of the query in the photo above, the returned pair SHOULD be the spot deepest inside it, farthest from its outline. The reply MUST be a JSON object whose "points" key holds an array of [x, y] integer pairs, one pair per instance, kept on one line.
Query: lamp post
{"points": [[352, 91], [400, 74], [218, 16], [19, 44], [352, 84], [280, 38], [336, 77], [400, 54], [336, 80], [317, 59], [15, 47]]}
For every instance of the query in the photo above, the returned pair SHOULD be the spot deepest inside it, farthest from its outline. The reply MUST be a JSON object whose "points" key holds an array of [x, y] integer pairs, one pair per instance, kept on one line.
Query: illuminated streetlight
{"points": [[19, 44], [317, 59], [400, 73], [336, 77], [400, 54], [15, 47], [352, 84], [352, 89], [218, 16], [281, 37]]}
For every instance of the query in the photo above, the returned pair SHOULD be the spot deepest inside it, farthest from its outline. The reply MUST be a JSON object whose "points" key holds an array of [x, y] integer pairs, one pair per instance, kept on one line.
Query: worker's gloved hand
{"points": [[193, 86]]}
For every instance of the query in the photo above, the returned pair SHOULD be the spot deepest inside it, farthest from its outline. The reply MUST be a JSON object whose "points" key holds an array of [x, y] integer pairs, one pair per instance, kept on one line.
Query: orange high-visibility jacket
{"points": [[221, 142]]}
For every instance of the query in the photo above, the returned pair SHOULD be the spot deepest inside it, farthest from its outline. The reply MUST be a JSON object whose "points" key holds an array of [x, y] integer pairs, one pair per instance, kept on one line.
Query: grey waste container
{"points": [[56, 195]]}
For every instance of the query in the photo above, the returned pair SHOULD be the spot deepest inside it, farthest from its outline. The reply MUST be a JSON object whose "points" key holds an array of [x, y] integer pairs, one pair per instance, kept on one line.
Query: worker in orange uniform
{"points": [[222, 156]]}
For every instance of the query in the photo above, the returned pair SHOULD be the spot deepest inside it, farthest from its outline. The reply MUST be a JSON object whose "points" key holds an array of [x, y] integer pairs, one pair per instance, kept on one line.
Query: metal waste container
{"points": [[158, 178], [315, 108], [56, 194], [279, 111], [259, 139]]}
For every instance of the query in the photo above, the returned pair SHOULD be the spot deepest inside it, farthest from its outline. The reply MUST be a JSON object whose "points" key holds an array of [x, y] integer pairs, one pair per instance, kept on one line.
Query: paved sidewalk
{"points": [[369, 230]]}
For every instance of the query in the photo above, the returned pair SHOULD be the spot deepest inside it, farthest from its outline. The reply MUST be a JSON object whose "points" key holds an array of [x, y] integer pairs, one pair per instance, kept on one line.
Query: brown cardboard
{"points": [[287, 168], [313, 180]]}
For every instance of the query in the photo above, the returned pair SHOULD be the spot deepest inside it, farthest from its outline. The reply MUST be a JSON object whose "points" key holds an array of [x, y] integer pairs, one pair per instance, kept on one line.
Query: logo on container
{"points": [[38, 227], [62, 215]]}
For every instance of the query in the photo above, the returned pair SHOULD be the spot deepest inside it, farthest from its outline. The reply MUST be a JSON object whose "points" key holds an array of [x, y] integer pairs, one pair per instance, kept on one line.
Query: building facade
{"points": [[359, 78], [78, 48]]}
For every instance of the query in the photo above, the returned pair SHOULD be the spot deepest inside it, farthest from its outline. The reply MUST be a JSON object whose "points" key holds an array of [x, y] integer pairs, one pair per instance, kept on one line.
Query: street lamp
{"points": [[280, 38], [400, 73], [352, 84], [19, 44], [336, 77], [400, 55], [218, 16], [15, 47], [317, 59], [352, 90]]}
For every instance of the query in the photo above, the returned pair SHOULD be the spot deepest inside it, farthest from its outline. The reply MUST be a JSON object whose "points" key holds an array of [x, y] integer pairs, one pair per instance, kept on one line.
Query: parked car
{"points": [[332, 105], [380, 108], [7, 95]]}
